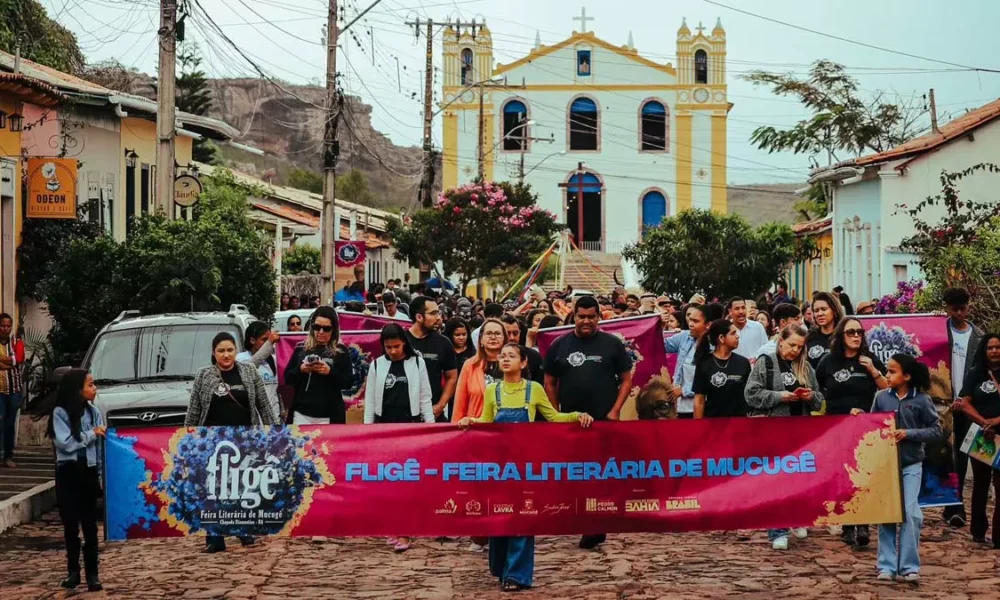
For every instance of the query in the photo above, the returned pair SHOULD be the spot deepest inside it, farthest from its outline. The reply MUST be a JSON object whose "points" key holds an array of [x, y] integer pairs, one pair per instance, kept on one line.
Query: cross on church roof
{"points": [[700, 28], [583, 18]]}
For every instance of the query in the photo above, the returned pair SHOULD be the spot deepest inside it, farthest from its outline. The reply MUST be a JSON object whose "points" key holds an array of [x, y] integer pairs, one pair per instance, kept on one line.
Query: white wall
{"points": [[98, 148]]}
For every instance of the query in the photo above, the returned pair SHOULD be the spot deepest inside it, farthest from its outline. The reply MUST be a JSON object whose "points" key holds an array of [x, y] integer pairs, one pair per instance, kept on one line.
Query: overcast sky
{"points": [[284, 38]]}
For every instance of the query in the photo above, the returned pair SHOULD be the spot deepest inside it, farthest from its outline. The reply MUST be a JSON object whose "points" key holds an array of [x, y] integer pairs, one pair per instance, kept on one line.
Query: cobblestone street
{"points": [[627, 566]]}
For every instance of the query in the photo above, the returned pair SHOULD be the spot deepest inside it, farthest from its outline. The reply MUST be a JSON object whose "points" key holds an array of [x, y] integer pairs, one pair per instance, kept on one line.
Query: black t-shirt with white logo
{"points": [[588, 371], [846, 384], [396, 395], [230, 402], [817, 346], [791, 384], [723, 383], [984, 392], [439, 355]]}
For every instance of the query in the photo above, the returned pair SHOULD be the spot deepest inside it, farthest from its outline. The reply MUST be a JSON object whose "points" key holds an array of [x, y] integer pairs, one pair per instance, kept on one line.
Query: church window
{"points": [[583, 120], [654, 126], [515, 115], [701, 66], [583, 64], [467, 66]]}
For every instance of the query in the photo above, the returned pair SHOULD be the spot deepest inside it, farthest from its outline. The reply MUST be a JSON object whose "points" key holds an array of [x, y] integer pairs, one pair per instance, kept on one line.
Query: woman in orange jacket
{"points": [[478, 372]]}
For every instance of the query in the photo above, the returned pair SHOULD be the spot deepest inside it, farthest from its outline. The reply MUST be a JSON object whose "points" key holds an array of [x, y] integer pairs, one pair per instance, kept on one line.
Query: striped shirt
{"points": [[10, 379]]}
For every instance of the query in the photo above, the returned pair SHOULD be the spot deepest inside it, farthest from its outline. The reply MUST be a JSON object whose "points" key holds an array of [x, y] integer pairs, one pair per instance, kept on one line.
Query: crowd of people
{"points": [[467, 362]]}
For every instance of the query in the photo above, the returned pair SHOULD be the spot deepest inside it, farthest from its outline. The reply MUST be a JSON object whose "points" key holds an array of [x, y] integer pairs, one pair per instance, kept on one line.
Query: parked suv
{"points": [[144, 366]]}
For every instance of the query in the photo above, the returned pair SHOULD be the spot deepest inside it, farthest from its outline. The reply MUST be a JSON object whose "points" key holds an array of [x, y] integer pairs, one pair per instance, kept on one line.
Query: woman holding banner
{"points": [[398, 391], [980, 401], [228, 394], [477, 373], [515, 399], [320, 369], [850, 376], [783, 384]]}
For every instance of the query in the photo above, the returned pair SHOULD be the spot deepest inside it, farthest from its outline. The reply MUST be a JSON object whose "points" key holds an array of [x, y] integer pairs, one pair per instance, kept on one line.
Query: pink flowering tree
{"points": [[477, 229]]}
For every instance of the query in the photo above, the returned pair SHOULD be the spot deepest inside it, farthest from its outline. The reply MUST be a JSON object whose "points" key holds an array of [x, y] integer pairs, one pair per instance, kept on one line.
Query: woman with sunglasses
{"points": [[849, 377], [294, 323], [320, 369]]}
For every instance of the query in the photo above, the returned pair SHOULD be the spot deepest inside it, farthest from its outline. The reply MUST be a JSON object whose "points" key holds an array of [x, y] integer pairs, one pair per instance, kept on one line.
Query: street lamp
{"points": [[3, 119], [16, 122], [130, 157], [560, 153], [528, 123]]}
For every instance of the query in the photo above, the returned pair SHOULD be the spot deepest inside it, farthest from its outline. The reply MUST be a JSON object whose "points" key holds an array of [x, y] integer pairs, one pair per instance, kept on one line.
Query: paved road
{"points": [[642, 566]]}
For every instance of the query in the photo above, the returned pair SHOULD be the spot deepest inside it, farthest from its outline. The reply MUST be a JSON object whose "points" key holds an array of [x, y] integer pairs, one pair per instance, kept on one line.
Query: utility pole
{"points": [[165, 107], [482, 135], [934, 122], [331, 150]]}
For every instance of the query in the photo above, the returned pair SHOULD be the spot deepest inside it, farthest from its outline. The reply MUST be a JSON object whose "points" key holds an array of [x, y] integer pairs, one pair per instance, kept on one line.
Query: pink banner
{"points": [[643, 339], [351, 321], [364, 347], [350, 253], [923, 336]]}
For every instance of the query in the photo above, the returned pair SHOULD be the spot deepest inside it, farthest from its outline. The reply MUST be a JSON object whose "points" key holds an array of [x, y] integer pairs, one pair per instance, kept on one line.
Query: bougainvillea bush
{"points": [[476, 229], [903, 301], [962, 248]]}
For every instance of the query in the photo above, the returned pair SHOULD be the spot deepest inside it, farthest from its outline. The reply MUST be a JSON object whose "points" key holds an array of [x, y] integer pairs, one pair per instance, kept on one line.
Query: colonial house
{"points": [[294, 217], [868, 192], [813, 274]]}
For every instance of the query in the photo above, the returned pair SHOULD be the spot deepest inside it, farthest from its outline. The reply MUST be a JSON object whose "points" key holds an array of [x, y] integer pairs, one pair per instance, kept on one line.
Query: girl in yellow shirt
{"points": [[516, 400]]}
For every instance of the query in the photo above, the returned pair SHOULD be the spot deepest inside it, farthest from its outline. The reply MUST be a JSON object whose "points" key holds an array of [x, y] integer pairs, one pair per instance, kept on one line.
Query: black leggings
{"points": [[76, 494], [984, 477]]}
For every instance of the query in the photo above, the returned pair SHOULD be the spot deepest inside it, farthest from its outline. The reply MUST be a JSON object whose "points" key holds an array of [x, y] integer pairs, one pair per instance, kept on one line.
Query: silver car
{"points": [[144, 366]]}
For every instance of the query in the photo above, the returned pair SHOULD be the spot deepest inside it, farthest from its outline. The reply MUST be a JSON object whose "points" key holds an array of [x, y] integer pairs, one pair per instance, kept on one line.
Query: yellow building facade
{"points": [[815, 273]]}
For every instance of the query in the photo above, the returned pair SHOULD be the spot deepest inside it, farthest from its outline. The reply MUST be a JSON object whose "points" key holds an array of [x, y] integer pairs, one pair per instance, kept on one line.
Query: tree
{"points": [[303, 258], [218, 259], [700, 251], [353, 187], [194, 96], [842, 122], [42, 240], [304, 179], [475, 230], [961, 248], [42, 40]]}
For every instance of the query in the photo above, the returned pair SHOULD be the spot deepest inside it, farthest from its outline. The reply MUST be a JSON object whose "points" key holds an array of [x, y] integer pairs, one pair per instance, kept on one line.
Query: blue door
{"points": [[654, 208]]}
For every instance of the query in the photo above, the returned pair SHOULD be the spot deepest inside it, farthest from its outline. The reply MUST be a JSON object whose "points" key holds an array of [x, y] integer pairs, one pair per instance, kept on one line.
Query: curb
{"points": [[27, 506]]}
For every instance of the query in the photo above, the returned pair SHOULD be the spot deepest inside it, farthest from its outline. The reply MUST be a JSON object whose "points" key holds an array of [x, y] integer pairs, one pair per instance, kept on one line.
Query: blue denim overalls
{"points": [[513, 558]]}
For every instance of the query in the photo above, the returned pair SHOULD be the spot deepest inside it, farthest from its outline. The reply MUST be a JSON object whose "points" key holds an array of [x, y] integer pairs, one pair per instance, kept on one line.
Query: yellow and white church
{"points": [[651, 136]]}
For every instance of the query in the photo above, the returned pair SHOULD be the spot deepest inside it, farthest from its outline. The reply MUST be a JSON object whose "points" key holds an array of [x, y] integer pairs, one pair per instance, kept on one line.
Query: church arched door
{"points": [[654, 208], [590, 236]]}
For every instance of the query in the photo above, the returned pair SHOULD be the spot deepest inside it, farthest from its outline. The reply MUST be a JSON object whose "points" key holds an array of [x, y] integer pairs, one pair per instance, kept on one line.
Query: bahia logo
{"points": [[238, 482], [885, 341]]}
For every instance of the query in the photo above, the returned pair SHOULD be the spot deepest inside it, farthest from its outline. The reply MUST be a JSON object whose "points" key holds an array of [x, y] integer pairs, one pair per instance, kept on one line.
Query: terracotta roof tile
{"points": [[30, 89], [813, 226], [949, 131]]}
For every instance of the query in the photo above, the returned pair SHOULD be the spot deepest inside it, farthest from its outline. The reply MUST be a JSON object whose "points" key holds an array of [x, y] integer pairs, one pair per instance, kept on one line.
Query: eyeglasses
{"points": [[494, 333], [854, 332], [323, 328]]}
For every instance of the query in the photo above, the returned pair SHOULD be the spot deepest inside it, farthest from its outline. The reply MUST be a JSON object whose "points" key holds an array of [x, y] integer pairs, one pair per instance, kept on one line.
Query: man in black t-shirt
{"points": [[588, 371], [438, 354]]}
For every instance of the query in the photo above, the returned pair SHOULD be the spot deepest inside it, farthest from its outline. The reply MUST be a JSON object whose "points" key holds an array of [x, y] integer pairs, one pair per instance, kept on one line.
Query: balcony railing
{"points": [[605, 246]]}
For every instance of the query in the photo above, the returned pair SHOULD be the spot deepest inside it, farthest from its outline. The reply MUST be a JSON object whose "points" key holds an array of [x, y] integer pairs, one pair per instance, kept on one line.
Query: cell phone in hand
{"points": [[310, 359], [801, 391]]}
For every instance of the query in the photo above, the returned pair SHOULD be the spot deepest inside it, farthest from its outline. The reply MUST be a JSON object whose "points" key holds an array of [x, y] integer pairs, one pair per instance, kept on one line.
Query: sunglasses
{"points": [[854, 332], [322, 328]]}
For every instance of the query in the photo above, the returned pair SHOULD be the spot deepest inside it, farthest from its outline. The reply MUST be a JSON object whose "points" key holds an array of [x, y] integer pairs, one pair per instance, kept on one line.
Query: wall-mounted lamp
{"points": [[130, 157]]}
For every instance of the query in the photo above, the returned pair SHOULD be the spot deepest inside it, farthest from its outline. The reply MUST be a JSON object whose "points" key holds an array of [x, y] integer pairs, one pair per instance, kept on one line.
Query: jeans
{"points": [[906, 558], [513, 558], [982, 475], [9, 406], [76, 495], [961, 427], [773, 534]]}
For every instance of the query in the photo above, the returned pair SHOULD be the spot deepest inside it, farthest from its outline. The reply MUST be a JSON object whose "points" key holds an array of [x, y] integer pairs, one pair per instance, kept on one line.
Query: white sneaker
{"points": [[474, 547], [911, 577], [836, 530], [800, 533], [780, 543], [884, 576]]}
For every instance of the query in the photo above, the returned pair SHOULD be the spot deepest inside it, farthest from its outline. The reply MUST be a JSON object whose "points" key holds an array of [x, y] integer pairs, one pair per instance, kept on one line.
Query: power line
{"points": [[850, 41]]}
